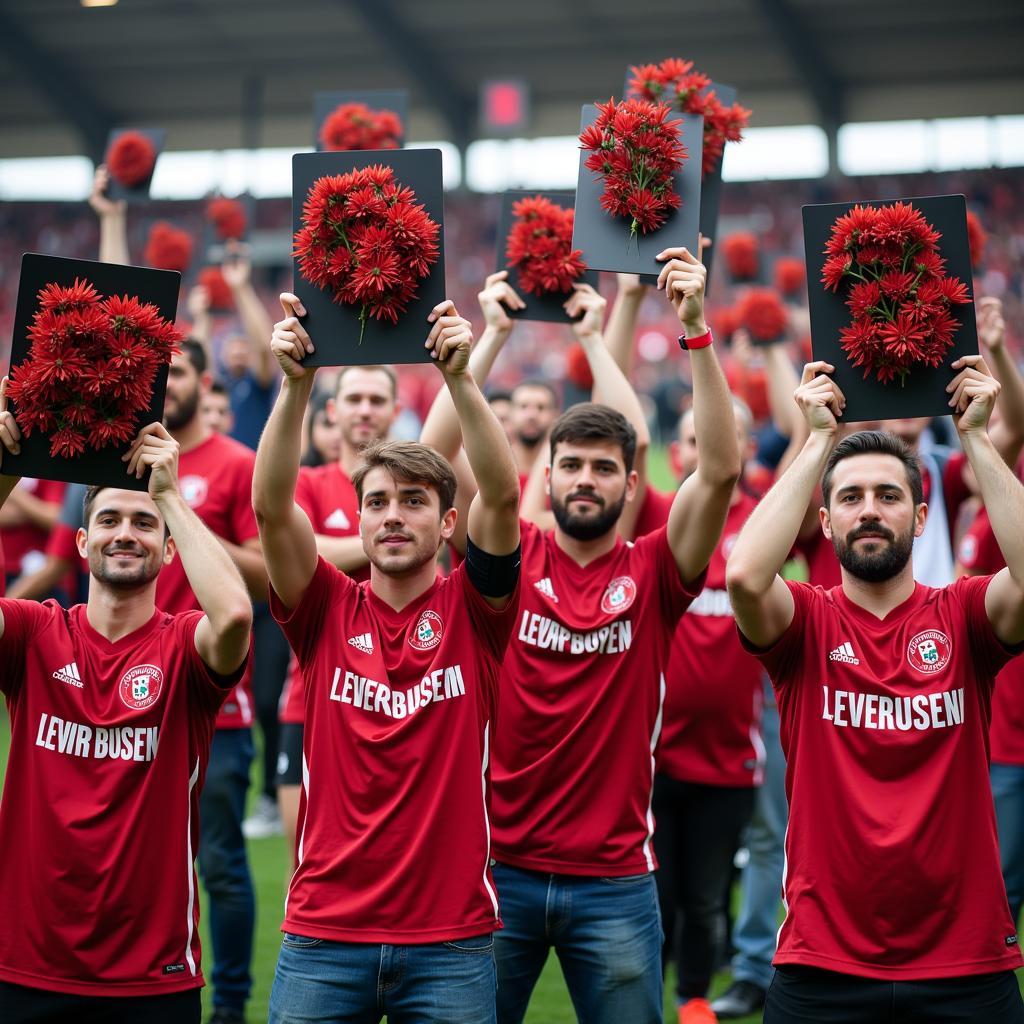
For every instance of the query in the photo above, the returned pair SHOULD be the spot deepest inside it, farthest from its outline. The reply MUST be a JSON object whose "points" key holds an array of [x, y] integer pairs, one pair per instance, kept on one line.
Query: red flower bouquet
{"points": [[366, 239], [636, 150], [217, 288], [91, 367], [977, 239], [887, 262], [790, 276], [742, 254], [168, 247], [763, 314], [674, 81], [131, 158], [356, 126], [227, 217], [539, 246]]}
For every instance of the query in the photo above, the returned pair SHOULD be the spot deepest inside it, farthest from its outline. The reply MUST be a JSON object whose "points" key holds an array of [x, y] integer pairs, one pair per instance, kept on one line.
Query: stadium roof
{"points": [[241, 73]]}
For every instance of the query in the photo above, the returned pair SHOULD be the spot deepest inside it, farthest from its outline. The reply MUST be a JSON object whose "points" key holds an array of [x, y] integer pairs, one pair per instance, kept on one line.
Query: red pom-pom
{"points": [[763, 314], [790, 276], [742, 254], [227, 217], [216, 287], [577, 368], [726, 322], [354, 126], [977, 238], [168, 247], [539, 246], [131, 158]]}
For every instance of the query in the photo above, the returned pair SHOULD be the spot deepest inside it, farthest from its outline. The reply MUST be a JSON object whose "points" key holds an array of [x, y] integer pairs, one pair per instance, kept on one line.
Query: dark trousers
{"points": [[806, 995], [224, 866], [269, 668], [22, 1005], [697, 832]]}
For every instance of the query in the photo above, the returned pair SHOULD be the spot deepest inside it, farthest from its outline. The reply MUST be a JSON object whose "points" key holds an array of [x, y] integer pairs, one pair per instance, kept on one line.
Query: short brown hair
{"points": [[589, 421], [388, 371], [875, 442], [409, 462], [90, 500]]}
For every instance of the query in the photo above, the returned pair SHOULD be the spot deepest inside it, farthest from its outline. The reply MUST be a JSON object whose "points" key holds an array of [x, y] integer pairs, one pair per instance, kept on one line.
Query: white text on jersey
{"points": [[876, 711], [371, 695], [76, 739], [539, 631]]}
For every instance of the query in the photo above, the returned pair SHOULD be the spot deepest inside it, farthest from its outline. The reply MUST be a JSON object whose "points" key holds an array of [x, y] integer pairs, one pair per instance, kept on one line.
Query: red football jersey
{"points": [[580, 707], [714, 693], [28, 540], [99, 819], [654, 509], [215, 479], [393, 834], [892, 862]]}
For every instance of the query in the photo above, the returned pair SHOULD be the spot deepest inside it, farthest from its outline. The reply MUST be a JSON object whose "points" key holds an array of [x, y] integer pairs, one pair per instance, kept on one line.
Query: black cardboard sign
{"points": [[138, 193]]}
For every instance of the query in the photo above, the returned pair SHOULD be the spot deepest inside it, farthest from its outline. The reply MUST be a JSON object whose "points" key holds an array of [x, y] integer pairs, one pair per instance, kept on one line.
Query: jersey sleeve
{"points": [[491, 625], [208, 688], [783, 657], [988, 653], [675, 595], [302, 624], [22, 621]]}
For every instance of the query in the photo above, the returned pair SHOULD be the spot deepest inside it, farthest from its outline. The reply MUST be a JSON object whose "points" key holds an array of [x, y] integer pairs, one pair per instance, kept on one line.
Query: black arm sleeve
{"points": [[492, 575]]}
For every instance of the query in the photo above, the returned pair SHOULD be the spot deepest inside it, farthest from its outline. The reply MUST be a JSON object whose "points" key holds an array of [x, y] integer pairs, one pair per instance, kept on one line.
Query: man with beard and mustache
{"points": [[534, 406], [391, 907], [582, 688], [113, 704], [884, 685], [216, 483]]}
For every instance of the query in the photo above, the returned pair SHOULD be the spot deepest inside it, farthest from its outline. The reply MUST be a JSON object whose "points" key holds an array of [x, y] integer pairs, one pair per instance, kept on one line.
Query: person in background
{"points": [[216, 410]]}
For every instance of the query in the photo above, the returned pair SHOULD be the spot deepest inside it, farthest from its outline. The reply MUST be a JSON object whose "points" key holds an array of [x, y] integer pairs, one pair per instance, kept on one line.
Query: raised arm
{"points": [[223, 634], [1008, 432], [289, 545], [493, 520], [198, 305], [237, 271], [761, 601], [782, 380], [620, 330], [113, 220], [701, 504]]}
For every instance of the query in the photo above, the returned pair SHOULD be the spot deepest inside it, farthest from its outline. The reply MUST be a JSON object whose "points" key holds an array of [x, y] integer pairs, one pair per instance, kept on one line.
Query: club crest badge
{"points": [[194, 489], [929, 651], [428, 631], [141, 686], [621, 593]]}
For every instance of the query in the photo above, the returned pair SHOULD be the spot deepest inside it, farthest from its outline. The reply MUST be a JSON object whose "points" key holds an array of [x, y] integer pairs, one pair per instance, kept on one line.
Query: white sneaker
{"points": [[264, 821]]}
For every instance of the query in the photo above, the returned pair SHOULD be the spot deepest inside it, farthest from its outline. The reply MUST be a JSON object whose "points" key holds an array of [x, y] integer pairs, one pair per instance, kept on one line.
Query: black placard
{"points": [[138, 193], [395, 100], [333, 328], [549, 307], [159, 287], [924, 391]]}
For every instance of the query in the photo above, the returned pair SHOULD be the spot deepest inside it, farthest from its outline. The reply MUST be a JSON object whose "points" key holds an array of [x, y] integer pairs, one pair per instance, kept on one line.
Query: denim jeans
{"points": [[606, 933], [757, 925], [224, 866], [1008, 795], [355, 983]]}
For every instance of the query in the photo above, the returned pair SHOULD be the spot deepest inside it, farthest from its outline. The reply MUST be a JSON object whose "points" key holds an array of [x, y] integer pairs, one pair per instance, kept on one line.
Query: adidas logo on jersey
{"points": [[844, 653], [337, 520], [69, 674], [544, 586], [363, 642]]}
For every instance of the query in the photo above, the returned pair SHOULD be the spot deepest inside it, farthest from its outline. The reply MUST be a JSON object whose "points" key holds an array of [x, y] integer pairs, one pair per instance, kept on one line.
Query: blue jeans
{"points": [[355, 983], [606, 933], [224, 866], [1008, 795], [757, 926]]}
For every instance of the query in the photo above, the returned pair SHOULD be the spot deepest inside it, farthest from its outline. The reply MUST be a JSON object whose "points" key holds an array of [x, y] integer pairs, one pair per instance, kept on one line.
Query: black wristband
{"points": [[492, 575]]}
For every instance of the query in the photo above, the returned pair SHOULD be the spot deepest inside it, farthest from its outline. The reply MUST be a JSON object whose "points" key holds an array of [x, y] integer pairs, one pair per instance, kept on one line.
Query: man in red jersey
{"points": [[895, 905], [582, 689], [216, 483], [392, 905], [364, 408], [112, 707]]}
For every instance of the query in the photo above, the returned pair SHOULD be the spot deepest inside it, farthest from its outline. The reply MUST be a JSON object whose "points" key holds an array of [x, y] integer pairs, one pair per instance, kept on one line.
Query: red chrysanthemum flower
{"points": [[219, 291], [726, 321], [742, 253], [227, 217], [790, 276], [355, 126], [763, 314], [539, 246], [365, 239], [91, 361], [635, 150], [977, 239], [168, 247], [674, 82], [886, 257], [131, 158]]}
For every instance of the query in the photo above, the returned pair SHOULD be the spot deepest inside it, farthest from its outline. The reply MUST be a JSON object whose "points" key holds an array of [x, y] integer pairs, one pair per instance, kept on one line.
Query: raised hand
{"points": [[974, 392], [497, 297], [450, 339], [991, 326], [237, 265], [584, 300], [98, 200], [820, 398], [154, 448], [290, 343], [10, 435], [683, 278]]}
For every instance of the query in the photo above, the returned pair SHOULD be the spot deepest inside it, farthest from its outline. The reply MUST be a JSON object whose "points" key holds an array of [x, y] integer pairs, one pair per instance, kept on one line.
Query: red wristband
{"points": [[701, 341]]}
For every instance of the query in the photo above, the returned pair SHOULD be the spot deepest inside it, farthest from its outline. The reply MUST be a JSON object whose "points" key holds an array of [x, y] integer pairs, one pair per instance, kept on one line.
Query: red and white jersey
{"points": [[393, 835], [99, 819], [215, 479], [714, 693], [892, 862], [580, 707]]}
